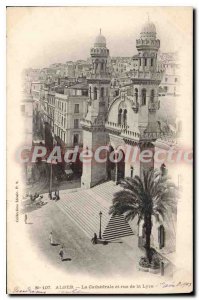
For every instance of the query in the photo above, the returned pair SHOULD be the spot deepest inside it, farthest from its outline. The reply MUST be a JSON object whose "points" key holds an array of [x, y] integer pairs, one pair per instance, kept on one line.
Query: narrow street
{"points": [[42, 180]]}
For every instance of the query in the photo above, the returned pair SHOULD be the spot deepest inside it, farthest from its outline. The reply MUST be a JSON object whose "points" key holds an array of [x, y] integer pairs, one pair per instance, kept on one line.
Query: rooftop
{"points": [[79, 86]]}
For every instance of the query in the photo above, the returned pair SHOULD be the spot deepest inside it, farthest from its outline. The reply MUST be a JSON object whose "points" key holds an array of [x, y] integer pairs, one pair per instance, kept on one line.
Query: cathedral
{"points": [[129, 120]]}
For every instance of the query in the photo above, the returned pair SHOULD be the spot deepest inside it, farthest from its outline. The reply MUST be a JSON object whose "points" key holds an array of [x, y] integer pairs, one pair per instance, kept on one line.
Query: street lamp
{"points": [[100, 230]]}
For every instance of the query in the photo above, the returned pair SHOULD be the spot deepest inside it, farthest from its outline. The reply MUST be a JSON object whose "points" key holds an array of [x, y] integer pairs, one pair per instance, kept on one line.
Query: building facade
{"points": [[62, 113], [170, 84], [126, 125], [130, 119]]}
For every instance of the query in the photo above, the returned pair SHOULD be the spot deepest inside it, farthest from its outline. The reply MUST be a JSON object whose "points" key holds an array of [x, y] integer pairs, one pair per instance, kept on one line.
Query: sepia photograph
{"points": [[99, 150]]}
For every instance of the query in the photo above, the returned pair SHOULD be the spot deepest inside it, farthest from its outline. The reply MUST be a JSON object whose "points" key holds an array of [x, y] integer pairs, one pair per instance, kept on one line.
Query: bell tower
{"points": [[147, 78], [94, 134]]}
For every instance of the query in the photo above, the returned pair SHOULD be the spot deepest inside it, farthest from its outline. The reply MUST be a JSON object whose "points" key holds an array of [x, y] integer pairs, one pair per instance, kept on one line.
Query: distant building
{"points": [[170, 84], [63, 112], [27, 117], [36, 92], [27, 114]]}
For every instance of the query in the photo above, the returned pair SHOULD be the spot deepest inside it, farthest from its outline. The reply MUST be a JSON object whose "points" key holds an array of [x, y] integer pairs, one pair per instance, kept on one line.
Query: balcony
{"points": [[147, 43], [132, 135], [151, 135], [115, 126], [122, 130], [147, 75], [100, 76]]}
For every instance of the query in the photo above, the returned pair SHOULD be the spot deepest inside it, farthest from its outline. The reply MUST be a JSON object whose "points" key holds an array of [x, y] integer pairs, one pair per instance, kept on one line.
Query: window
{"points": [[102, 92], [76, 108], [143, 96], [125, 117], [152, 96], [176, 79], [85, 93], [166, 88], [76, 123], [90, 92], [151, 62], [136, 94], [120, 117], [75, 139], [145, 62], [95, 93]]}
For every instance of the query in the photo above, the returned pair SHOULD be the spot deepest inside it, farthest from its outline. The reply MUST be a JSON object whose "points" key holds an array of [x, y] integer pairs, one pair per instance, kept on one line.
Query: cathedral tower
{"points": [[93, 125], [147, 78], [146, 82]]}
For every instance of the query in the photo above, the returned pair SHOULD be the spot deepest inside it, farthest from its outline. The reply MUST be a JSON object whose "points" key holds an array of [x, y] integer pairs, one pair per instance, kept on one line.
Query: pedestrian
{"points": [[25, 218], [51, 238], [57, 195], [94, 239], [61, 253]]}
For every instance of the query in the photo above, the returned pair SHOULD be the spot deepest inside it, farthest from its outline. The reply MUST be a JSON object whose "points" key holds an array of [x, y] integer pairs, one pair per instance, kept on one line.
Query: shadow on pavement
{"points": [[66, 259]]}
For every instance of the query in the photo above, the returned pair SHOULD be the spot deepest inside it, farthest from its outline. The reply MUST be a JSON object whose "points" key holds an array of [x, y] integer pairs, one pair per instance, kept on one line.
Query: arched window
{"points": [[152, 96], [120, 117], [102, 92], [90, 92], [143, 96], [75, 139], [136, 94], [125, 117], [95, 93]]}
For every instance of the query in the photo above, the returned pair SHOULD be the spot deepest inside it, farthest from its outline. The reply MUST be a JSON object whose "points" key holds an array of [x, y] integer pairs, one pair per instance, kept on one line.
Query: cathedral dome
{"points": [[148, 27], [100, 41]]}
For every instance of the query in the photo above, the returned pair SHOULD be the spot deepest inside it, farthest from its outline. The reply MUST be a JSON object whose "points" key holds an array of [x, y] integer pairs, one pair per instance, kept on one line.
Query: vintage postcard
{"points": [[99, 150]]}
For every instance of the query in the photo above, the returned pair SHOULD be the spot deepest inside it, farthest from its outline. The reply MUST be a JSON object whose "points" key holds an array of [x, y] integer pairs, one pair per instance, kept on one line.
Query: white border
{"points": [[3, 4]]}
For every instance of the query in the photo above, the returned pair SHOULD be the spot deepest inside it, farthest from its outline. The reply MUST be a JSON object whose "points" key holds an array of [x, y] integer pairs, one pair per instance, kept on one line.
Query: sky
{"points": [[40, 36]]}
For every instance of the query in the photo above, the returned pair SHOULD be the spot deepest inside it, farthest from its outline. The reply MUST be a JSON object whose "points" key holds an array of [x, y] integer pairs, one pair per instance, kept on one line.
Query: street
{"points": [[118, 257]]}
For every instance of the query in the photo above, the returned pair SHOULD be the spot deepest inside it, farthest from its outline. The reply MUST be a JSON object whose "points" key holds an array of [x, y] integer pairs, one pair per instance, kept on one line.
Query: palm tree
{"points": [[154, 195]]}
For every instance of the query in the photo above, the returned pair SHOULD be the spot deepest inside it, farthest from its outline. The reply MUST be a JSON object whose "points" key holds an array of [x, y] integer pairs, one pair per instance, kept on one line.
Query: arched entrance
{"points": [[115, 164], [121, 165]]}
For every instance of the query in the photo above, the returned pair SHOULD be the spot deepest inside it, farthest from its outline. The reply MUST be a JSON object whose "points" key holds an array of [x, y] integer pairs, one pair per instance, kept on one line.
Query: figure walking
{"points": [[51, 238], [94, 239], [25, 218], [61, 253]]}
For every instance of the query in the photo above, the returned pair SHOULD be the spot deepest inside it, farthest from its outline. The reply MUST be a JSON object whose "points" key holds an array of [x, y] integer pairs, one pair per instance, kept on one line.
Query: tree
{"points": [[154, 195]]}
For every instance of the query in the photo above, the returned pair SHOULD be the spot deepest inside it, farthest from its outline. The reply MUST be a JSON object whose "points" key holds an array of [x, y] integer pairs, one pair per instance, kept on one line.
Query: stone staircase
{"points": [[83, 207], [117, 227], [106, 191]]}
